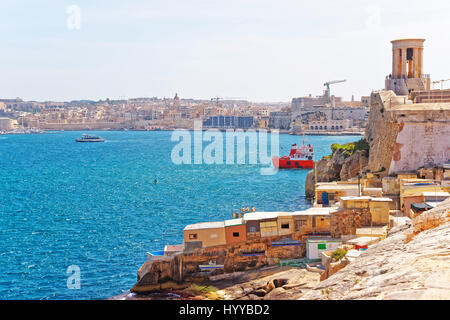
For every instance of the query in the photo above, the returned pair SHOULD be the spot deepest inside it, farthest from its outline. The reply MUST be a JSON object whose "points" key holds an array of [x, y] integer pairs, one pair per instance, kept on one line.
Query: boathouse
{"points": [[204, 234], [329, 193], [316, 245], [235, 231], [378, 207], [379, 210], [314, 220], [261, 224], [285, 223]]}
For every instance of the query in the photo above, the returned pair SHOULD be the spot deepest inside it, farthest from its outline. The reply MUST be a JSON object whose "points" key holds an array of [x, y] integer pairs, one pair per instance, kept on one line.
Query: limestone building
{"points": [[280, 120], [307, 109], [407, 67], [405, 135], [5, 124]]}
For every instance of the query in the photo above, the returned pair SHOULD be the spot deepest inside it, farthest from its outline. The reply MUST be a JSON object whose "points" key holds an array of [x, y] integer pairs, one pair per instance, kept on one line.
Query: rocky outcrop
{"points": [[283, 284], [337, 167], [332, 267], [393, 269], [310, 185], [354, 164]]}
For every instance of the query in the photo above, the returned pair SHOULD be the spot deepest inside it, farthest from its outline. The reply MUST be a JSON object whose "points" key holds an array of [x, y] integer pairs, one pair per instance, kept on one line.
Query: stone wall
{"points": [[421, 142], [346, 221], [81, 126], [381, 131], [354, 164]]}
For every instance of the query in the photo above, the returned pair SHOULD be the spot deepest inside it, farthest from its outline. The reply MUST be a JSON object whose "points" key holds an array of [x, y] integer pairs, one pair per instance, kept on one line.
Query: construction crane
{"points": [[441, 82], [327, 84], [226, 98]]}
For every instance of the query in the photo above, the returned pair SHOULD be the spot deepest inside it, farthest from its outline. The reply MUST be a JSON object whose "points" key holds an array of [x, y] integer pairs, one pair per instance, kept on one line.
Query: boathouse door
{"points": [[325, 199]]}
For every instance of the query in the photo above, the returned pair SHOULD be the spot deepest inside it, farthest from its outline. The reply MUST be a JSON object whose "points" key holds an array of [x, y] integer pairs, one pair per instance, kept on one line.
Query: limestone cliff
{"points": [[381, 130], [354, 164]]}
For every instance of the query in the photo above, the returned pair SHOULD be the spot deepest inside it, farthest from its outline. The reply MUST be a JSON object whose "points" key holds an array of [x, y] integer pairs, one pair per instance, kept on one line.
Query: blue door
{"points": [[325, 199]]}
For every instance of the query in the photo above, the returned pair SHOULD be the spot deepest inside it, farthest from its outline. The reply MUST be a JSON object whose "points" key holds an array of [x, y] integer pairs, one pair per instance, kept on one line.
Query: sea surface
{"points": [[96, 206]]}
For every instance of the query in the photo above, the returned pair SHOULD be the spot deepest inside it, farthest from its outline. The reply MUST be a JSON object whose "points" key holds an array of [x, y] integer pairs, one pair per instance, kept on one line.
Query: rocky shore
{"points": [[395, 269], [268, 283]]}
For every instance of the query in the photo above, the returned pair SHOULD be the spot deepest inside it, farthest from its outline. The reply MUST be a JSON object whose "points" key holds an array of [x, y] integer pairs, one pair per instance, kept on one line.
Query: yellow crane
{"points": [[327, 84]]}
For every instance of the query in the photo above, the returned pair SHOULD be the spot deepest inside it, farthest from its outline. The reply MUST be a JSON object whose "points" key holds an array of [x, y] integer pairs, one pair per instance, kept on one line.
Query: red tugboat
{"points": [[299, 158]]}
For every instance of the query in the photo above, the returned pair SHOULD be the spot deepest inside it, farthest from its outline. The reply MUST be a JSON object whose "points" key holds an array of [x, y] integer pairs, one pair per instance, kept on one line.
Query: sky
{"points": [[260, 50]]}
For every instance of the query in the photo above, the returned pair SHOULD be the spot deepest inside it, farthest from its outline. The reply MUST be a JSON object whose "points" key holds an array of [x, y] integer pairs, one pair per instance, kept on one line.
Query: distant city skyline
{"points": [[262, 50]]}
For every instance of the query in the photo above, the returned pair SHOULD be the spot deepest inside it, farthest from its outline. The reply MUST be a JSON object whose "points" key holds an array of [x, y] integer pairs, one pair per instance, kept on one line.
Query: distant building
{"points": [[229, 122], [5, 124], [307, 109], [329, 125], [280, 120], [310, 102]]}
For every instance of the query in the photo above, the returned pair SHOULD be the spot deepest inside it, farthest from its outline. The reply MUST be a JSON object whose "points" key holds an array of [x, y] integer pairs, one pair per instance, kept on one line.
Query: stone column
{"points": [[420, 64], [416, 62], [399, 63], [404, 64], [394, 62]]}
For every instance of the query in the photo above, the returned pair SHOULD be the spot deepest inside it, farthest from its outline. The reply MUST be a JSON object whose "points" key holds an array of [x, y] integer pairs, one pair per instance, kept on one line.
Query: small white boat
{"points": [[87, 138], [210, 266]]}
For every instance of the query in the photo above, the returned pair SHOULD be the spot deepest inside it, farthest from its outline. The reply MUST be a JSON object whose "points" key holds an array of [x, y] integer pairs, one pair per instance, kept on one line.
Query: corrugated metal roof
{"points": [[319, 211], [433, 203], [260, 215], [382, 199], [337, 187], [436, 194], [174, 247], [363, 239], [205, 225], [285, 214], [356, 198], [323, 239], [234, 222]]}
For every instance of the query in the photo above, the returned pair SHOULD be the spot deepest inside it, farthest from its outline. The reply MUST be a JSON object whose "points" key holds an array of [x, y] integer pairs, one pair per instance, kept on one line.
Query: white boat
{"points": [[210, 266], [87, 138]]}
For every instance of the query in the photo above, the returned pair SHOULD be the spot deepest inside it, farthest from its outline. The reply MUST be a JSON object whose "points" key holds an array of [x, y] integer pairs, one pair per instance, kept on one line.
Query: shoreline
{"points": [[243, 285], [324, 133]]}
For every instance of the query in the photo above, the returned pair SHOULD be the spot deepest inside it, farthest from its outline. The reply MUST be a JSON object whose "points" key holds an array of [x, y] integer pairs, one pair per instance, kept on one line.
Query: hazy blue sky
{"points": [[258, 49]]}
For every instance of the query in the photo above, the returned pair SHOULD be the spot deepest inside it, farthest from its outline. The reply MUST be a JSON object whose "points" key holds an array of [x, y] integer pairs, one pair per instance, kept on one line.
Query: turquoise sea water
{"points": [[95, 205]]}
